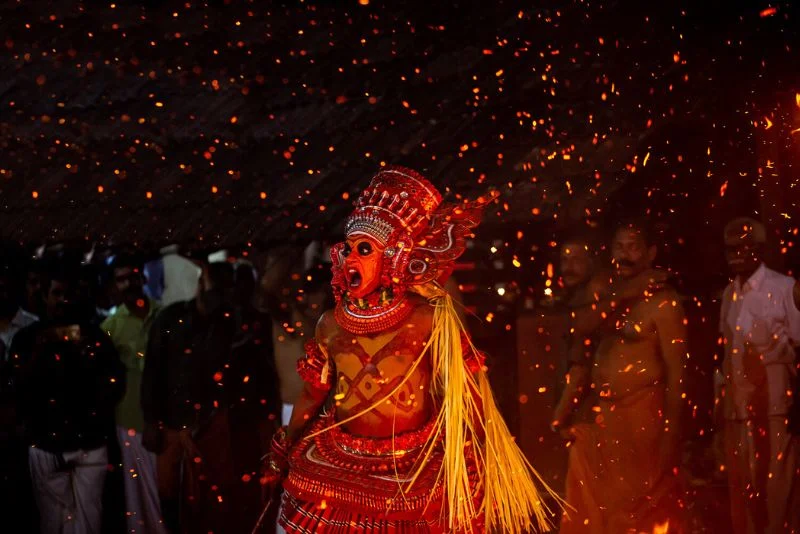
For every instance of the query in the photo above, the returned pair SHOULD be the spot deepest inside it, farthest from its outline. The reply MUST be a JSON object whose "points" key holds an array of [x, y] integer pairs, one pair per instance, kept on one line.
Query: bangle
{"points": [[280, 443]]}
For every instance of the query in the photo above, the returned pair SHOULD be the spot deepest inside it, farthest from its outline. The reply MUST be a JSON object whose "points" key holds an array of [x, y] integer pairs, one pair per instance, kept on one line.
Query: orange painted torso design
{"points": [[369, 368]]}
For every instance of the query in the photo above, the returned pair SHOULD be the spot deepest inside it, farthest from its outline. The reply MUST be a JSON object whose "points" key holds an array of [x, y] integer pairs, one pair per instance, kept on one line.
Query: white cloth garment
{"points": [[180, 277], [20, 321], [142, 506], [286, 413], [68, 488], [762, 326]]}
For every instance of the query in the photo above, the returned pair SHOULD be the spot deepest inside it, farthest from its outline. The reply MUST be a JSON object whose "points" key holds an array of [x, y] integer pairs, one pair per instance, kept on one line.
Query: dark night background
{"points": [[254, 124]]}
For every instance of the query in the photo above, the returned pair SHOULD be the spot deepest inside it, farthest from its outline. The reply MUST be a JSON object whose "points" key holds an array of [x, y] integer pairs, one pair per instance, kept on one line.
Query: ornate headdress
{"points": [[404, 212]]}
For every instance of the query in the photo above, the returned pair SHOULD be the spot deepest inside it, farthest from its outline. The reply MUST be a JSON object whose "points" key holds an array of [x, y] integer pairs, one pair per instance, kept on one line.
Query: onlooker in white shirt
{"points": [[760, 323]]}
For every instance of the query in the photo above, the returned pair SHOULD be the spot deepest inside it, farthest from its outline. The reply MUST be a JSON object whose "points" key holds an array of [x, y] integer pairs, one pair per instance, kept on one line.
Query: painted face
{"points": [[632, 255], [576, 264], [363, 261]]}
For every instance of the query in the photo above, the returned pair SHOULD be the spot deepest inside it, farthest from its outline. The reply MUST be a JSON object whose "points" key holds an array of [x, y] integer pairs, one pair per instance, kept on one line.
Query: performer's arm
{"points": [[671, 329], [306, 408], [318, 374], [317, 371]]}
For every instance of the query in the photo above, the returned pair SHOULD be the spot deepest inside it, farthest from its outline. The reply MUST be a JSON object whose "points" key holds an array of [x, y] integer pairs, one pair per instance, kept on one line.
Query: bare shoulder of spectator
{"points": [[666, 300]]}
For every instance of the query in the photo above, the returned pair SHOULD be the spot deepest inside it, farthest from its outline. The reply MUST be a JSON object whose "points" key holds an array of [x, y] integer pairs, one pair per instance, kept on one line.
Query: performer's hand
{"points": [[275, 466], [270, 479]]}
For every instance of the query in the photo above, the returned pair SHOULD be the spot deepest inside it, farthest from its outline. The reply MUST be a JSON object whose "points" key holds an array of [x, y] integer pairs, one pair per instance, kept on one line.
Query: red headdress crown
{"points": [[397, 199], [404, 212]]}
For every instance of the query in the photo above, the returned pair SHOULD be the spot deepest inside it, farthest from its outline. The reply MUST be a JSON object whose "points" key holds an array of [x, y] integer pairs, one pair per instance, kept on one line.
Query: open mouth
{"points": [[353, 278]]}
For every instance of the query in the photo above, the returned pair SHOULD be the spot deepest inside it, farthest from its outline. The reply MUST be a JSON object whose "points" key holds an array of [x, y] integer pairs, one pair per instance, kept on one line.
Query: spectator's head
{"points": [[87, 291], [59, 286], [245, 283], [633, 248], [127, 279], [215, 290], [34, 292], [577, 262], [745, 239], [9, 295]]}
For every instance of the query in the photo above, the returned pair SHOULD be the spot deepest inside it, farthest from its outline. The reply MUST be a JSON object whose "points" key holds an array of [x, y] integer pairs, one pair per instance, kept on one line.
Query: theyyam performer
{"points": [[397, 429]]}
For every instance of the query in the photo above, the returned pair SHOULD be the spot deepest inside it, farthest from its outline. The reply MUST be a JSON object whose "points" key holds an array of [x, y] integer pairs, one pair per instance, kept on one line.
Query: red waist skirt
{"points": [[339, 484]]}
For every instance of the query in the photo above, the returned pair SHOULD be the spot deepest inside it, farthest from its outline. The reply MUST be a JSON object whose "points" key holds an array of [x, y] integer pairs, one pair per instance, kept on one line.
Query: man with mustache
{"points": [[128, 328], [622, 467], [581, 283], [760, 323]]}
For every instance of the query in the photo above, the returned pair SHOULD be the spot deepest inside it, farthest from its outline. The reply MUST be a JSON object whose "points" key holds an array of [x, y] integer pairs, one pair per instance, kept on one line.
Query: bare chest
{"points": [[382, 355]]}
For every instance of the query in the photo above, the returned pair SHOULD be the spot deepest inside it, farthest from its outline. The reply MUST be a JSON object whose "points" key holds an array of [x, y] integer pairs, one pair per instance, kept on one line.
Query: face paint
{"points": [[362, 265]]}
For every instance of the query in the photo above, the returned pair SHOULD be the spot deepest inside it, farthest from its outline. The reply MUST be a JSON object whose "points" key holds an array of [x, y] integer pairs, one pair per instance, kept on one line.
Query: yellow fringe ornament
{"points": [[468, 420]]}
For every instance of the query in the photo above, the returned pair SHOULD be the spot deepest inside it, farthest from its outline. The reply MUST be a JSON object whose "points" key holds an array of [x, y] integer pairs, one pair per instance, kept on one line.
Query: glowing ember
{"points": [[768, 12], [661, 528]]}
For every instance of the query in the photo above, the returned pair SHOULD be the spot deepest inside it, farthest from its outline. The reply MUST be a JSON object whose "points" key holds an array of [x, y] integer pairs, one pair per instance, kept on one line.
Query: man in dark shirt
{"points": [[67, 378], [16, 493], [208, 386]]}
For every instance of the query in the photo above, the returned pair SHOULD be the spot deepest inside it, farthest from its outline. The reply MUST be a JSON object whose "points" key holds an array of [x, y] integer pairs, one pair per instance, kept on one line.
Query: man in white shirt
{"points": [[760, 323]]}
